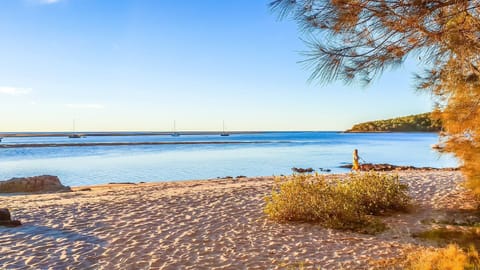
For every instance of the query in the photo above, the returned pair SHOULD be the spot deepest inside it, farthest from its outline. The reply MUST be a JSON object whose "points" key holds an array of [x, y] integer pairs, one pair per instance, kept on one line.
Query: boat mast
{"points": [[175, 133]]}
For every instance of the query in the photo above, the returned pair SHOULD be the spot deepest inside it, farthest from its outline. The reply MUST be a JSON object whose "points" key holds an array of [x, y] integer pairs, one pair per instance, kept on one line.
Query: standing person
{"points": [[355, 165]]}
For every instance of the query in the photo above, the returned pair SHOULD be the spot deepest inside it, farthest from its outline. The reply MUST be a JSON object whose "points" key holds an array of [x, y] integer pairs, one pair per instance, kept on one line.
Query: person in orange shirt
{"points": [[355, 164]]}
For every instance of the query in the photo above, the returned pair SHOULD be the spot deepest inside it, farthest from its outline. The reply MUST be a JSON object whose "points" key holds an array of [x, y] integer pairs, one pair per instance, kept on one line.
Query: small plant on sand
{"points": [[342, 204], [299, 266], [451, 257], [443, 236]]}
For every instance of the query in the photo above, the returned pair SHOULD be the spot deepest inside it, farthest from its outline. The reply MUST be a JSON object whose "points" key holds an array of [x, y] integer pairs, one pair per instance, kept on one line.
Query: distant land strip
{"points": [[25, 145], [118, 133]]}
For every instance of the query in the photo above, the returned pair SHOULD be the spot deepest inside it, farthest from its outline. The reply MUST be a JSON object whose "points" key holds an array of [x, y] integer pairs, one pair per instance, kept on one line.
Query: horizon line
{"points": [[126, 133]]}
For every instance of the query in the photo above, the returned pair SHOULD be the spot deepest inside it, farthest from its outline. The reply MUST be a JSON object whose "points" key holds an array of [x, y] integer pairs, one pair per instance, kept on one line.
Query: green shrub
{"points": [[347, 204]]}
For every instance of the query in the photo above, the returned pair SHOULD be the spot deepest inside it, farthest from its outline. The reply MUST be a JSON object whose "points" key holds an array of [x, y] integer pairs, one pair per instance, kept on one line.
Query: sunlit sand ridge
{"points": [[216, 224]]}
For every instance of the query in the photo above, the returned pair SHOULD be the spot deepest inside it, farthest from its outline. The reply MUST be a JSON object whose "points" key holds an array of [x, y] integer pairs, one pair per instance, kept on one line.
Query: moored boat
{"points": [[223, 132], [74, 135], [175, 133]]}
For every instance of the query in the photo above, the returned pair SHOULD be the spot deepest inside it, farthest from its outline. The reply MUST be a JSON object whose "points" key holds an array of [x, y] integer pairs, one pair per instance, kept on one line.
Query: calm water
{"points": [[283, 150]]}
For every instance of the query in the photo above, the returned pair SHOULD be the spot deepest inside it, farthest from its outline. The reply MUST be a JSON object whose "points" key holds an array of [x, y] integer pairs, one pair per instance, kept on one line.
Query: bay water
{"points": [[264, 154]]}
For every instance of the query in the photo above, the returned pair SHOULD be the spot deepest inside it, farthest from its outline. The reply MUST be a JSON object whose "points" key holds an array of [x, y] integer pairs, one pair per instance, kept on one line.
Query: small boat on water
{"points": [[1, 139], [74, 135], [223, 132], [175, 133]]}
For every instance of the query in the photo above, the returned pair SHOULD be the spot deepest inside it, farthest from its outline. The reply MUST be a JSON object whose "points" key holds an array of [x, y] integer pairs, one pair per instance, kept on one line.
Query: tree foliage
{"points": [[356, 40], [412, 123]]}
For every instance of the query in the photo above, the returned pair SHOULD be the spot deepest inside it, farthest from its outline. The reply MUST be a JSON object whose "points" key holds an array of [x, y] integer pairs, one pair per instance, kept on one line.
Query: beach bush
{"points": [[348, 204], [377, 193], [451, 257]]}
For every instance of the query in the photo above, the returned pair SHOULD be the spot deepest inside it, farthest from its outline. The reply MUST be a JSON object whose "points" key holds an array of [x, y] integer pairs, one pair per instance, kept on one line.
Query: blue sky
{"points": [[138, 65]]}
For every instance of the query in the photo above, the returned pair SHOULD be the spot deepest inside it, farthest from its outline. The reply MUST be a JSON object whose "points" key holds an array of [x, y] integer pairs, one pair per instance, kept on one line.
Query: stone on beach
{"points": [[302, 170], [6, 219], [5, 214], [36, 184]]}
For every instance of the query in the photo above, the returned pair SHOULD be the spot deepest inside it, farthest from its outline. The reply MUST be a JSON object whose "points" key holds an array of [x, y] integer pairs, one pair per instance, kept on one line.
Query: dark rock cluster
{"points": [[389, 167], [302, 170]]}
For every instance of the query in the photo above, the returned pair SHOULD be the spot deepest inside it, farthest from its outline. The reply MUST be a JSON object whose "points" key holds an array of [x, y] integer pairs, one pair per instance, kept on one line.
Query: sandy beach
{"points": [[205, 224]]}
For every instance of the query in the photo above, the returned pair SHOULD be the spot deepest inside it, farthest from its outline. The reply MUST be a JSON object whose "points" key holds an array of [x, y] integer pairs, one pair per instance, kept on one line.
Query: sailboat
{"points": [[175, 133], [74, 135], [223, 132]]}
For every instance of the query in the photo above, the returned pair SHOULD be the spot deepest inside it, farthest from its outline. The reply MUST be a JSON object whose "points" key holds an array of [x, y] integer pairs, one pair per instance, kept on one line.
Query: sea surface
{"points": [[272, 153]]}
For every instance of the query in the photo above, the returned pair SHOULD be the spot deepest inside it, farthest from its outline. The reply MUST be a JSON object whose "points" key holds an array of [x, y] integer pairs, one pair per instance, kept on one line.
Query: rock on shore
{"points": [[36, 184], [390, 167], [6, 219]]}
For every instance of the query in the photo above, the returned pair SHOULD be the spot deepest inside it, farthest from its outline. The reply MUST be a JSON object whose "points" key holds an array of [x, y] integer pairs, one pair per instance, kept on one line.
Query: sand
{"points": [[209, 224]]}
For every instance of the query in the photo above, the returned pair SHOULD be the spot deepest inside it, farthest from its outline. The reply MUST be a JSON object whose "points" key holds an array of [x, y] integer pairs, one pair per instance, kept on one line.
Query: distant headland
{"points": [[412, 123]]}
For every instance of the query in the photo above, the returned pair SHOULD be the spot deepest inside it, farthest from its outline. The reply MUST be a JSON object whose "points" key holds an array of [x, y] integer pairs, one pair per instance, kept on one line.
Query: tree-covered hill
{"points": [[412, 123]]}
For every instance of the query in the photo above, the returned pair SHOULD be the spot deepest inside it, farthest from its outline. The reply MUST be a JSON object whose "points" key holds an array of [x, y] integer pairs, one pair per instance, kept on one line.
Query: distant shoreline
{"points": [[26, 145], [120, 133], [424, 122], [148, 133], [168, 133]]}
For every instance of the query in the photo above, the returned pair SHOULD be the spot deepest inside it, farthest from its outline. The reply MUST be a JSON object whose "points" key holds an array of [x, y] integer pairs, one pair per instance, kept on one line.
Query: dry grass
{"points": [[451, 257]]}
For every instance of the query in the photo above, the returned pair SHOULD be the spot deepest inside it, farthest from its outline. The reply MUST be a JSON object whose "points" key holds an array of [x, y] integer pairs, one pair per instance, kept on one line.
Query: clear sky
{"points": [[128, 65]]}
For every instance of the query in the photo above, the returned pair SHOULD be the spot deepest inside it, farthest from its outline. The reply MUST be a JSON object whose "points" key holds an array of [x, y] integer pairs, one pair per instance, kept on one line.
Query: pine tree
{"points": [[356, 40]]}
